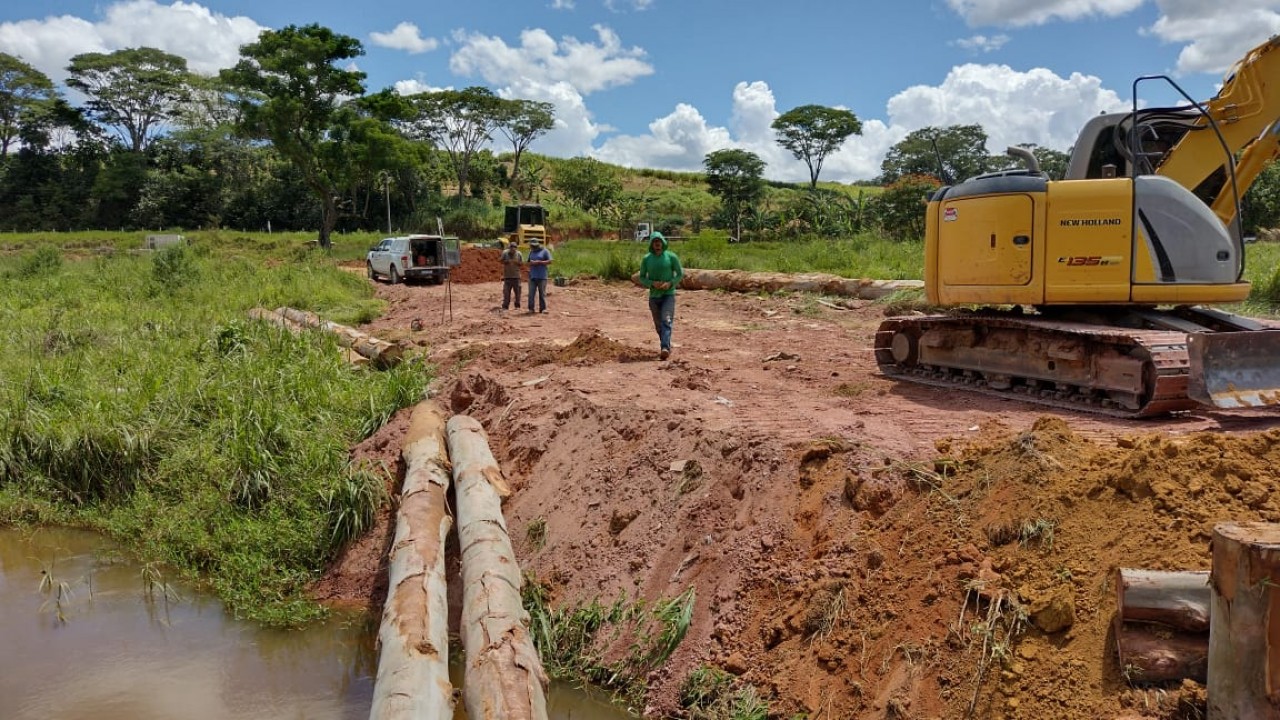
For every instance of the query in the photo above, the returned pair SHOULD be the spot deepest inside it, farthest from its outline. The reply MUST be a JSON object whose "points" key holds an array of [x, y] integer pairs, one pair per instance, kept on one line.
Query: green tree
{"points": [[1261, 203], [458, 121], [135, 90], [1052, 162], [587, 183], [522, 122], [737, 177], [23, 90], [291, 90], [812, 132], [955, 153], [900, 209]]}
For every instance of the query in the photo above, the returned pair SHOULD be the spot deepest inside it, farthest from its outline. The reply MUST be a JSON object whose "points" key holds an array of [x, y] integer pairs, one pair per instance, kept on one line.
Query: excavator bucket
{"points": [[1235, 369]]}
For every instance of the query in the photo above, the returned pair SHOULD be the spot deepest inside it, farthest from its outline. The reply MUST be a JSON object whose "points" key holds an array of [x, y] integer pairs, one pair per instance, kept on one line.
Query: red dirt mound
{"points": [[478, 265], [859, 548]]}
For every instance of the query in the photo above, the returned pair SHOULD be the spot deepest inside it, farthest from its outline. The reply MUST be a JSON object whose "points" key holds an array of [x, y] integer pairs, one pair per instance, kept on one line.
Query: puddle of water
{"points": [[84, 640]]}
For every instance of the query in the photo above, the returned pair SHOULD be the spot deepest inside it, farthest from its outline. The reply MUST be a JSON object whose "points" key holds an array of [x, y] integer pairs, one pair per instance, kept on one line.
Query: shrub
{"points": [[44, 260]]}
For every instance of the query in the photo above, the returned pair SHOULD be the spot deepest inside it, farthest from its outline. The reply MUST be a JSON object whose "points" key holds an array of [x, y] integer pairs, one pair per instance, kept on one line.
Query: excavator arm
{"points": [[1245, 112]]}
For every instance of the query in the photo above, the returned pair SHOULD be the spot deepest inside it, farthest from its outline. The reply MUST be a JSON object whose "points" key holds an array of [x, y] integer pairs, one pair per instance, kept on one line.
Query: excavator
{"points": [[1097, 292]]}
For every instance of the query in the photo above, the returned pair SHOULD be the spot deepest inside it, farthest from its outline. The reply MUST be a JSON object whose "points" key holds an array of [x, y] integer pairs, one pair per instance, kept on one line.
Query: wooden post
{"points": [[413, 662], [1244, 635], [504, 679]]}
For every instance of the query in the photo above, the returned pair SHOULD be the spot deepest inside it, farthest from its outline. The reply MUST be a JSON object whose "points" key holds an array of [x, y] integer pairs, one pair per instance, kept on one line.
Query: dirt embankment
{"points": [[859, 548]]}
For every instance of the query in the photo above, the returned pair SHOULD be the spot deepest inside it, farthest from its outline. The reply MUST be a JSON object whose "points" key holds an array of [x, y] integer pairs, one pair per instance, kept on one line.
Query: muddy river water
{"points": [[87, 633]]}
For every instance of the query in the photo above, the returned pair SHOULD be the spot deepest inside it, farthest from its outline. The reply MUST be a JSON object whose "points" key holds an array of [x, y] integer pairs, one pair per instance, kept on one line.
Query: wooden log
{"points": [[378, 351], [1178, 599], [413, 638], [823, 283], [1244, 635], [1151, 654], [503, 677], [275, 318]]}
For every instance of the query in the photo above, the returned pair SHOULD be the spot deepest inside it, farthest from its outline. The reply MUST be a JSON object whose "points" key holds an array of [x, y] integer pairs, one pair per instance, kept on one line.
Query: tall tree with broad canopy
{"points": [[291, 91], [522, 122], [459, 121], [954, 153], [812, 132], [23, 89], [737, 177], [588, 183], [134, 91]]}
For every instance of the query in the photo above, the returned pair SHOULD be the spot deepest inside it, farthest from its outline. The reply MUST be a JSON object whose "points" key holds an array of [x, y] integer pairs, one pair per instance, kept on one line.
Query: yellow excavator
{"points": [[1094, 292]]}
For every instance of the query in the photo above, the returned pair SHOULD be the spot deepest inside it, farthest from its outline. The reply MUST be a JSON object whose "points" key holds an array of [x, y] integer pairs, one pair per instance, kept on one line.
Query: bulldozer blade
{"points": [[1234, 369]]}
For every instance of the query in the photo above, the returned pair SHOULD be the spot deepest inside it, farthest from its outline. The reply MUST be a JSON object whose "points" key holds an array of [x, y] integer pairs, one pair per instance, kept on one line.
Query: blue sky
{"points": [[660, 83]]}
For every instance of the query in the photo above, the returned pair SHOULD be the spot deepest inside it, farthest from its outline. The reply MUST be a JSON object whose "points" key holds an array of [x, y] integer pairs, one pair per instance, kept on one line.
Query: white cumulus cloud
{"points": [[982, 43], [1016, 13], [405, 36], [1033, 106], [588, 67], [1014, 107], [209, 41], [1215, 34]]}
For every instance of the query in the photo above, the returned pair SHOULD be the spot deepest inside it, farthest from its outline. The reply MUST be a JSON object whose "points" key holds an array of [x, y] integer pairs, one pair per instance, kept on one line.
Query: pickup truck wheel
{"points": [[394, 277], [372, 275]]}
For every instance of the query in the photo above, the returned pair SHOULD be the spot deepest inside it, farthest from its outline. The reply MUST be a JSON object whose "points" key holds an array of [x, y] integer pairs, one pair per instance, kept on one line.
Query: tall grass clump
{"points": [[44, 260], [138, 399], [709, 693], [573, 641]]}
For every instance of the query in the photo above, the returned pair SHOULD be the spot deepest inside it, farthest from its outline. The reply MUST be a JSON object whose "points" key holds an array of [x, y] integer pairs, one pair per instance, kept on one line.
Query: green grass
{"points": [[138, 399], [864, 256], [572, 640]]}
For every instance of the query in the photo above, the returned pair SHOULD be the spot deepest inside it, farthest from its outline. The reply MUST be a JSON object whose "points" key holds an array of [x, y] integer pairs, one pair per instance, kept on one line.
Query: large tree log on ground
{"points": [[1177, 599], [742, 281], [275, 318], [1244, 637], [413, 662], [504, 679], [1150, 654], [379, 351]]}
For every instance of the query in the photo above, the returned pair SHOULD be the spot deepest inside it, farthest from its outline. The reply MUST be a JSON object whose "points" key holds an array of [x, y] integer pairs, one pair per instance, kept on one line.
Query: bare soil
{"points": [[860, 548]]}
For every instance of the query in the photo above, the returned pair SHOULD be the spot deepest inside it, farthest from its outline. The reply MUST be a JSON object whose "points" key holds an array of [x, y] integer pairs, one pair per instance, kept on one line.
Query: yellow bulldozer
{"points": [[1095, 291], [524, 223]]}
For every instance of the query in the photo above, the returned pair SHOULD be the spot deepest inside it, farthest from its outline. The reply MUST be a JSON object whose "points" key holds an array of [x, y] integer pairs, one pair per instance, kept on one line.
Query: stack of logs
{"points": [[1162, 625], [1220, 628]]}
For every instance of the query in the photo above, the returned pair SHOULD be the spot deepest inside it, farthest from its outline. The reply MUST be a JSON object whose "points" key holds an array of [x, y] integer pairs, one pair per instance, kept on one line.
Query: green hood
{"points": [[657, 236]]}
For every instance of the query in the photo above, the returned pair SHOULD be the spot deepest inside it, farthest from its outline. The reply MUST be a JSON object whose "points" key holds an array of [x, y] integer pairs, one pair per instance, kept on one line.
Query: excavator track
{"points": [[1118, 371]]}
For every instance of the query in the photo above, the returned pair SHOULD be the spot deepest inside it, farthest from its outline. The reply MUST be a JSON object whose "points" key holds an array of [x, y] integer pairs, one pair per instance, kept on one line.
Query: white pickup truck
{"points": [[414, 257]]}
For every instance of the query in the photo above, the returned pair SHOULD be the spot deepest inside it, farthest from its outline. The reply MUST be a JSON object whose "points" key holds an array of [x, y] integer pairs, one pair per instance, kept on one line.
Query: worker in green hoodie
{"points": [[660, 271]]}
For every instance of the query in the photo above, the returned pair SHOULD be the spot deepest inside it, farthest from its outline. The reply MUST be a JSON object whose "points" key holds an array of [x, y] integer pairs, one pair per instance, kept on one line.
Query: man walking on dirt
{"points": [[539, 259], [511, 260], [660, 271]]}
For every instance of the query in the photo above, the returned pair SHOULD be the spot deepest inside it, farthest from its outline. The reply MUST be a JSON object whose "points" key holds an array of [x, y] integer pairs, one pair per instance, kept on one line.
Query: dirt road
{"points": [[769, 466]]}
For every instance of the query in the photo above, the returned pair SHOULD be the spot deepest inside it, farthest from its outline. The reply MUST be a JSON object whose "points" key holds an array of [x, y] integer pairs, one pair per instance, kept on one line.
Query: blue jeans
{"points": [[538, 286], [663, 310]]}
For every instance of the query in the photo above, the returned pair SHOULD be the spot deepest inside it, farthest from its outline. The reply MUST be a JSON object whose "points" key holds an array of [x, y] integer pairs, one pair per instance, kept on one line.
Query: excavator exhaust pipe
{"points": [[1234, 369]]}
